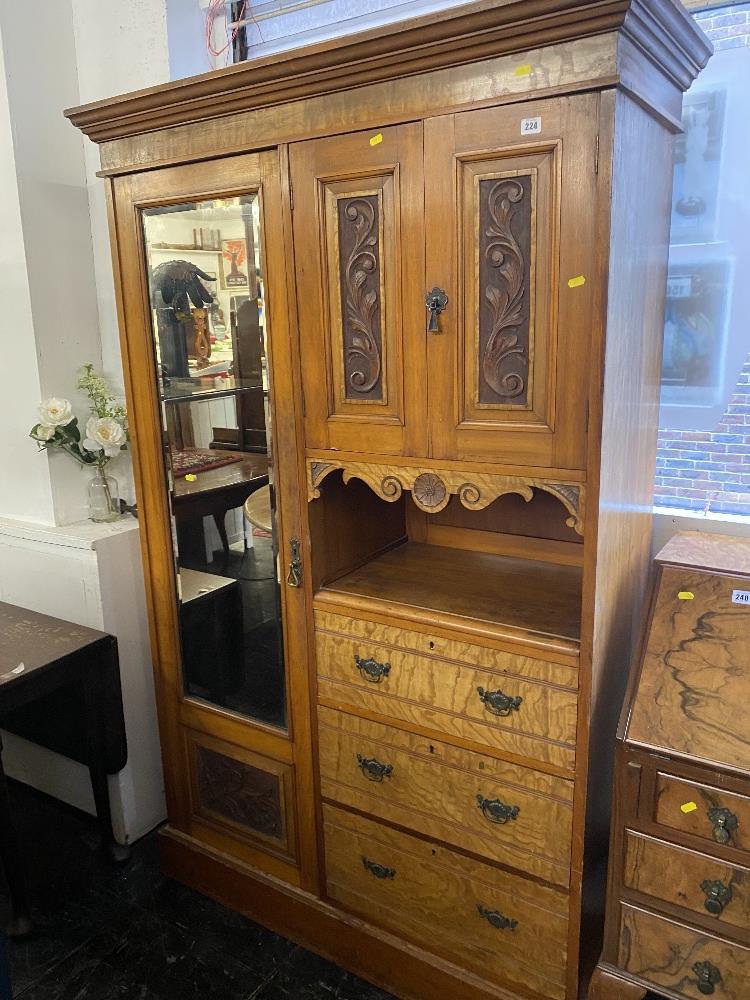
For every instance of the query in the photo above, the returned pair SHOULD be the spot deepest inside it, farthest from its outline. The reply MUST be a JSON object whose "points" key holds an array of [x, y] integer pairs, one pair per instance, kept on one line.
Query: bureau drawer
{"points": [[720, 817], [478, 916], [487, 806], [506, 711], [685, 878], [680, 958], [563, 673]]}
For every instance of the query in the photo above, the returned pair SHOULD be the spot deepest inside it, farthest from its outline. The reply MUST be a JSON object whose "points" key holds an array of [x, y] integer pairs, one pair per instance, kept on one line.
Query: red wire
{"points": [[215, 7]]}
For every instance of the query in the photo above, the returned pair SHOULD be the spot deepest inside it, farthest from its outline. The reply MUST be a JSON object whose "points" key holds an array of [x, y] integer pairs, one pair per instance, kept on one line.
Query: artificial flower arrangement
{"points": [[105, 437]]}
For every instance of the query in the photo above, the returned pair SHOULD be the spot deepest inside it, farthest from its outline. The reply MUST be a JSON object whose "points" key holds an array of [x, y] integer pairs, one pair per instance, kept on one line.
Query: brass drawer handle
{"points": [[709, 977], [718, 896], [497, 919], [499, 703], [724, 824], [373, 769], [379, 871], [497, 811], [371, 670]]}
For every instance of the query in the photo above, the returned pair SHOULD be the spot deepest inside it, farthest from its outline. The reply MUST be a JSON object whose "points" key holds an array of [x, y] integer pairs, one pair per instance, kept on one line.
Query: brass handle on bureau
{"points": [[378, 870], [496, 811], [717, 895], [371, 670], [499, 703], [373, 769], [724, 824], [497, 919], [708, 976]]}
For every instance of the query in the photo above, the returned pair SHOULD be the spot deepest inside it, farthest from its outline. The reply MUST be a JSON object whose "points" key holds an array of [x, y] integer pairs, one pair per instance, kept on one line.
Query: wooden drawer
{"points": [[698, 882], [442, 901], [444, 695], [672, 955], [673, 803], [490, 807], [562, 672]]}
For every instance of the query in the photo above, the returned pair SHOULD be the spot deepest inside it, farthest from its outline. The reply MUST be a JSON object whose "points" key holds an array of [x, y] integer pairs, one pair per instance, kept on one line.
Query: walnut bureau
{"points": [[445, 240], [678, 918]]}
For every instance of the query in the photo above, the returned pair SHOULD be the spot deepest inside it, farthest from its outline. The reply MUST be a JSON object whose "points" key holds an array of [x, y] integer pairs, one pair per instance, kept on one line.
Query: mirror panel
{"points": [[209, 338]]}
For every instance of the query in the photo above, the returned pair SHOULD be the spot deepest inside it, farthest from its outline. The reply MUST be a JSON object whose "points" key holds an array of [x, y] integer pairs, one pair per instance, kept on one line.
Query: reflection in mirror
{"points": [[208, 321]]}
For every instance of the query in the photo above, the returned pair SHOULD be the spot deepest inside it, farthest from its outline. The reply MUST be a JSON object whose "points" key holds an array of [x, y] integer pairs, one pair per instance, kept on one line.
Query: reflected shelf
{"points": [[185, 390]]}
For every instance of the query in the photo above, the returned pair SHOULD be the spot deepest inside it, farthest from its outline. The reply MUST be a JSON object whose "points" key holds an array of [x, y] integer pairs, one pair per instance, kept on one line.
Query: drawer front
{"points": [[453, 795], [682, 959], [521, 717], [685, 878], [720, 817], [562, 674], [477, 916]]}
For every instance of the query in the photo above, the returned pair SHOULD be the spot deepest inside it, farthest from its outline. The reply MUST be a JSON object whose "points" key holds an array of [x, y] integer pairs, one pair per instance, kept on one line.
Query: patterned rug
{"points": [[194, 460]]}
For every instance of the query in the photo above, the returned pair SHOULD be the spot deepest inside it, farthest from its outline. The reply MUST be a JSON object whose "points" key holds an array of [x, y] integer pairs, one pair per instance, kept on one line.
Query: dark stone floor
{"points": [[105, 933], [132, 934]]}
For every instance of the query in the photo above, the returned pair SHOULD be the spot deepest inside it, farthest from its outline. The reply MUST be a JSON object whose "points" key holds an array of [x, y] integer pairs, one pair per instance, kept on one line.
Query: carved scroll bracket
{"points": [[432, 489]]}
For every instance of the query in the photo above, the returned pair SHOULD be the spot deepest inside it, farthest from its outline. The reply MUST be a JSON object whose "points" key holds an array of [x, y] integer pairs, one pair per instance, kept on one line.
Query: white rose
{"points": [[45, 433], [55, 412], [104, 434]]}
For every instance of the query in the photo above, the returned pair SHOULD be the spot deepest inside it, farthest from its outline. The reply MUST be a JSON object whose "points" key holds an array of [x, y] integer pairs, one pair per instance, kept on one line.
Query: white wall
{"points": [[53, 202], [57, 287], [25, 488]]}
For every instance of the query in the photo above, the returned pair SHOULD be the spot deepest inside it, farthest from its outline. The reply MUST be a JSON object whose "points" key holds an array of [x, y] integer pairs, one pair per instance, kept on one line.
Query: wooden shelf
{"points": [[476, 592]]}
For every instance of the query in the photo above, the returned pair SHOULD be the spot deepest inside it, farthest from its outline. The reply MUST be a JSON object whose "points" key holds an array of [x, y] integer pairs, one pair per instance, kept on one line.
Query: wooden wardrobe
{"points": [[387, 722]]}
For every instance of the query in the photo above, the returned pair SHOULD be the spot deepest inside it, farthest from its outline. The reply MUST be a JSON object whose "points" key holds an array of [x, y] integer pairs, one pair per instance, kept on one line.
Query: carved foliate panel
{"points": [[361, 296], [241, 793], [509, 248], [505, 332]]}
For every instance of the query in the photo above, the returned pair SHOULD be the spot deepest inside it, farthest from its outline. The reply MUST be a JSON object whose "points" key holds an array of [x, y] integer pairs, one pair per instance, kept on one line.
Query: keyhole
{"points": [[432, 748], [432, 644]]}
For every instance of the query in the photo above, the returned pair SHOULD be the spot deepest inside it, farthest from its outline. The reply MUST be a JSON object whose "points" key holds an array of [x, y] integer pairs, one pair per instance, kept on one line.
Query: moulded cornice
{"points": [[660, 29]]}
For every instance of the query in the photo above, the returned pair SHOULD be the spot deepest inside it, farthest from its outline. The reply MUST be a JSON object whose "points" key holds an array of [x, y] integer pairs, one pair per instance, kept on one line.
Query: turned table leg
{"points": [[606, 985]]}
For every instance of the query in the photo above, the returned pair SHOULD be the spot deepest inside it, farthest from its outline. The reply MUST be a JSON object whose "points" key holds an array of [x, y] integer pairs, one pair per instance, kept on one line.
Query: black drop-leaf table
{"points": [[59, 687]]}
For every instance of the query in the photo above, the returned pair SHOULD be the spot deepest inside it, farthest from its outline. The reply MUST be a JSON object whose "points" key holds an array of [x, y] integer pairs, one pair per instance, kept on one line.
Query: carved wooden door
{"points": [[359, 249], [510, 198]]}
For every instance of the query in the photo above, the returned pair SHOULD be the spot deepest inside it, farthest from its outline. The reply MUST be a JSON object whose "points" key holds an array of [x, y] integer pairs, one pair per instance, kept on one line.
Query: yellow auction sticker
{"points": [[577, 281], [376, 139], [686, 595], [688, 807], [524, 70], [190, 478]]}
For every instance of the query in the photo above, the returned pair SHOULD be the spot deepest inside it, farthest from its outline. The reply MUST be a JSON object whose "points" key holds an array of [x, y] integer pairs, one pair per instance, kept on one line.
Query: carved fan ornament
{"points": [[504, 274], [431, 490], [360, 287]]}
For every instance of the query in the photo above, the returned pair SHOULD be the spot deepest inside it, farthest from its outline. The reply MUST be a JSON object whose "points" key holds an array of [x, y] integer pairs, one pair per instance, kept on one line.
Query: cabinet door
{"points": [[214, 418], [510, 204], [359, 250]]}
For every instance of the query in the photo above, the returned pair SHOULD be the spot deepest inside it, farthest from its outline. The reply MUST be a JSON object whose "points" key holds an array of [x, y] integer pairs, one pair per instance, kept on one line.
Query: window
{"points": [[703, 461]]}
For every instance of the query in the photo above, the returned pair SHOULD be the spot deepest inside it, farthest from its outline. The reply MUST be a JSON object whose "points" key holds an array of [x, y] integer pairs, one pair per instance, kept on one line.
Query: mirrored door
{"points": [[210, 337]]}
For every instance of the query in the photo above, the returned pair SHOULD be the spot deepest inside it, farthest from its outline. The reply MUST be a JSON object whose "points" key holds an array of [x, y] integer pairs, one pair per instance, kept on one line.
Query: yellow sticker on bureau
{"points": [[688, 807], [376, 139], [524, 70], [686, 595], [577, 281]]}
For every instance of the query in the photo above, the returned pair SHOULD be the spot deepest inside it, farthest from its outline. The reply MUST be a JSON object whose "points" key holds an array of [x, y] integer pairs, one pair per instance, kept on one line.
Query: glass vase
{"points": [[104, 498]]}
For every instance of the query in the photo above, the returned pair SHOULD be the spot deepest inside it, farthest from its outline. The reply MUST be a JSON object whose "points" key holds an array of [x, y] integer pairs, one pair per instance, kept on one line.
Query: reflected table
{"points": [[216, 491]]}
